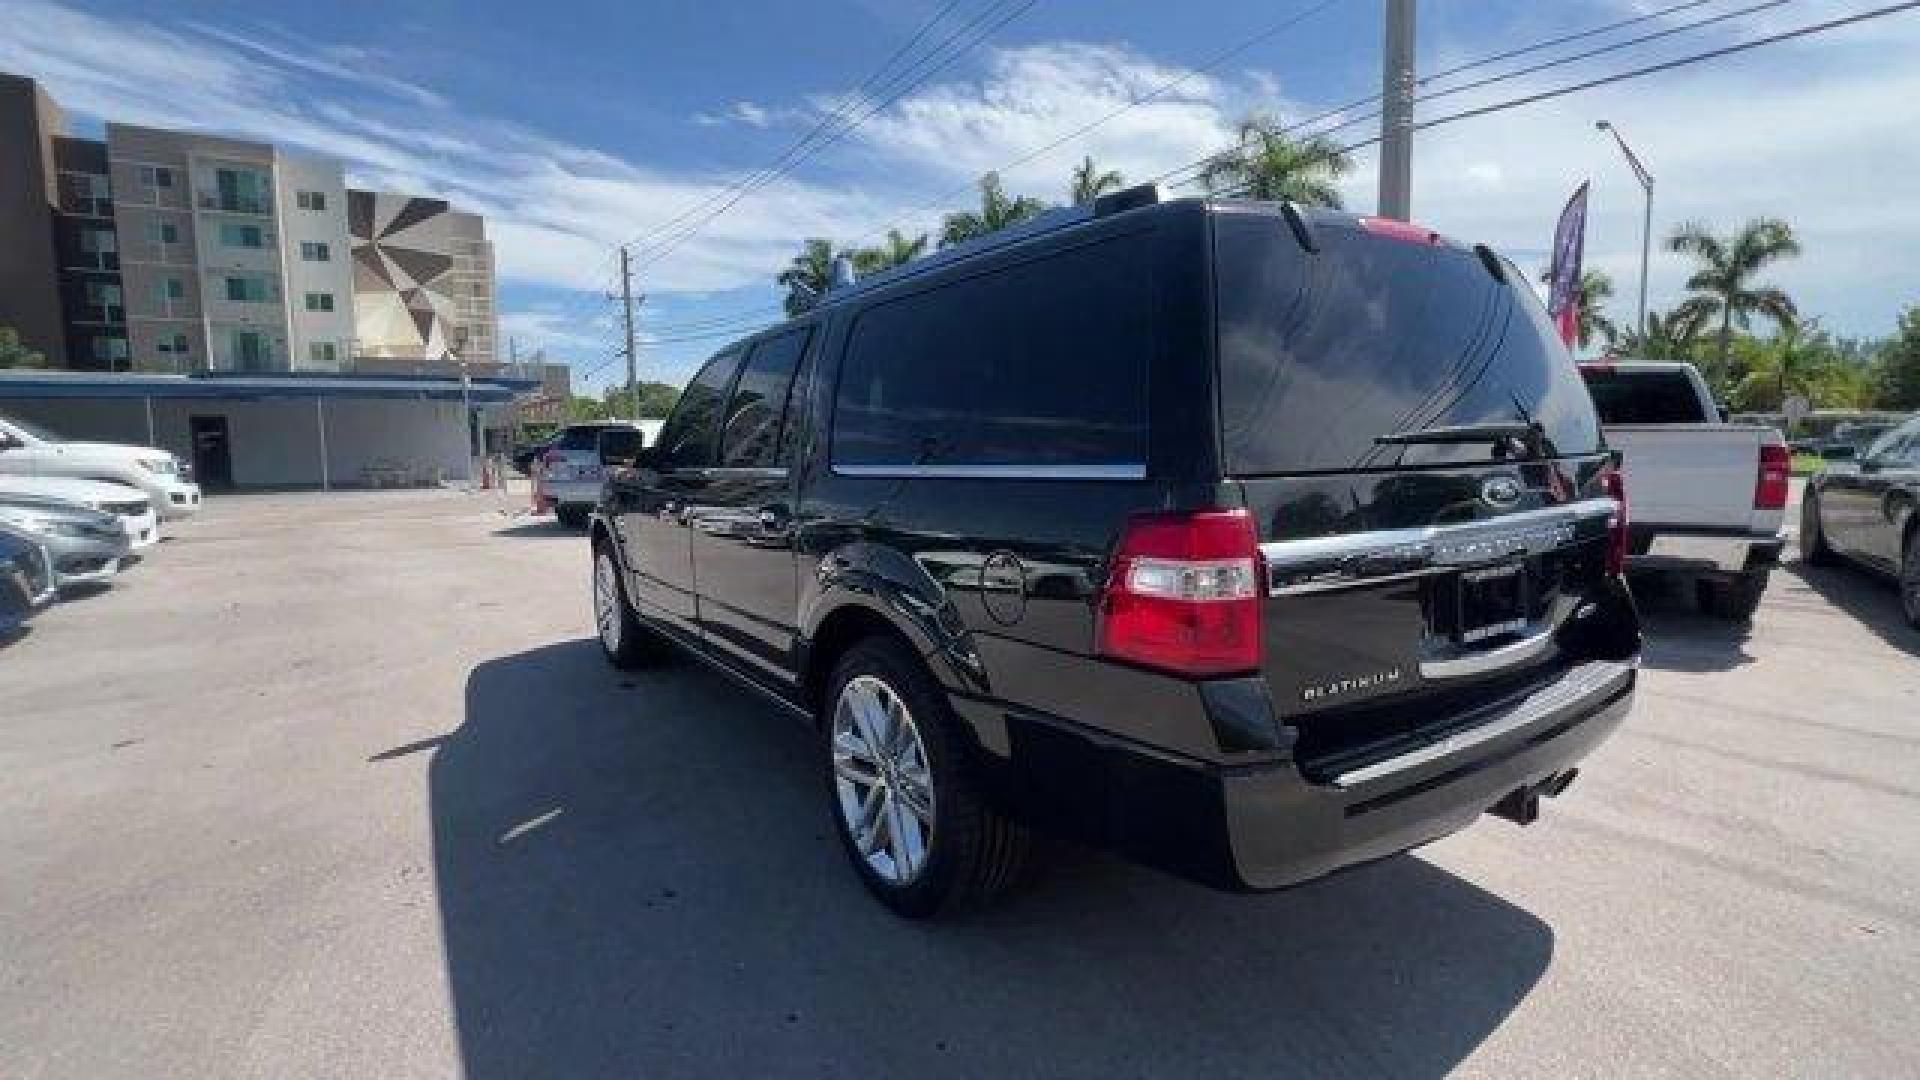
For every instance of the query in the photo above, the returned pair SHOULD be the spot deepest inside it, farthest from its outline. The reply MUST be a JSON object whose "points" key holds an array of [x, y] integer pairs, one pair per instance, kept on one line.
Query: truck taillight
{"points": [[1184, 594], [1770, 488], [1614, 483]]}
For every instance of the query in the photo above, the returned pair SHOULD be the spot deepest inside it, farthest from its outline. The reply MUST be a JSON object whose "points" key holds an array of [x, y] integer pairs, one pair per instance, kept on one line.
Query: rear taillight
{"points": [[1184, 594], [1404, 231], [1770, 488], [1614, 483]]}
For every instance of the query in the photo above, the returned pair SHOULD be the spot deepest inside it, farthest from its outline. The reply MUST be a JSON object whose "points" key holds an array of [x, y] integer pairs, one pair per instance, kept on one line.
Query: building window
{"points": [[177, 345], [311, 200], [163, 232], [108, 350], [103, 294], [172, 289], [235, 234], [314, 251], [156, 176], [319, 301], [249, 290], [98, 241], [323, 354]]}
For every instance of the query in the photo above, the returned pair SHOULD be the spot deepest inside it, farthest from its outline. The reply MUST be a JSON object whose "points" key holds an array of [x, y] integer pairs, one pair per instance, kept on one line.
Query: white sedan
{"points": [[130, 504], [29, 451]]}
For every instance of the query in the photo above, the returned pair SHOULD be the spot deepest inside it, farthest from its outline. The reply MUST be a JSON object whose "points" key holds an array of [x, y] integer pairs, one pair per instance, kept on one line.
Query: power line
{"points": [[901, 85], [1654, 69], [1212, 62], [1471, 65], [839, 112], [1545, 65]]}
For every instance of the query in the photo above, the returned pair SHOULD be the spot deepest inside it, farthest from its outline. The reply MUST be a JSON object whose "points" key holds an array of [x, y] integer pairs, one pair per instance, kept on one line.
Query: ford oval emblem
{"points": [[1501, 491]]}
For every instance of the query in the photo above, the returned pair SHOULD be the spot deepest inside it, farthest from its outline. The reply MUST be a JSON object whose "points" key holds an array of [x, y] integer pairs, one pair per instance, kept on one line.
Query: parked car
{"points": [[1709, 498], [1855, 437], [1248, 541], [26, 581], [130, 505], [1865, 508], [86, 545], [26, 450], [569, 470]]}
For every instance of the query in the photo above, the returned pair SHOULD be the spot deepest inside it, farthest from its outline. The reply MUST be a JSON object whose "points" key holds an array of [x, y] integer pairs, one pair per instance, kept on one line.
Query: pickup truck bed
{"points": [[1707, 498]]}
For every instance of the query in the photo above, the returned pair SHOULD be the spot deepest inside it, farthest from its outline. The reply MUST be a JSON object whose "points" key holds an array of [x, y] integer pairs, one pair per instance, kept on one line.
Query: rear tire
{"points": [[1736, 599], [1813, 539], [938, 847], [571, 515]]}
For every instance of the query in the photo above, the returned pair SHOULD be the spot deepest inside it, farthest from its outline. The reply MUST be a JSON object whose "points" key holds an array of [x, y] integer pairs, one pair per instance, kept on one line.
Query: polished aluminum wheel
{"points": [[881, 778], [606, 602]]}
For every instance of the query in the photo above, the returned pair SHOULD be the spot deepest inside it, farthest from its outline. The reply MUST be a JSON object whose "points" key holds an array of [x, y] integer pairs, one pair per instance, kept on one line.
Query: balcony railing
{"points": [[234, 204]]}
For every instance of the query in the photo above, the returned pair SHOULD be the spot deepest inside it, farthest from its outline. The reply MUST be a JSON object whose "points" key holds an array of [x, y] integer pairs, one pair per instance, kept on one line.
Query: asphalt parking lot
{"points": [[340, 786]]}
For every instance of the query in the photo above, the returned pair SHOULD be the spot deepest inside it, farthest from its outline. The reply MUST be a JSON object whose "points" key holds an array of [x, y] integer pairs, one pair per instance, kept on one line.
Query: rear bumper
{"points": [[1702, 552], [572, 492], [1267, 826]]}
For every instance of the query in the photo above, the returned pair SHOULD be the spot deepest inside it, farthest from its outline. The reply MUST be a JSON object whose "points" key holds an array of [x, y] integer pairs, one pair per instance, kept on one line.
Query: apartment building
{"points": [[173, 251]]}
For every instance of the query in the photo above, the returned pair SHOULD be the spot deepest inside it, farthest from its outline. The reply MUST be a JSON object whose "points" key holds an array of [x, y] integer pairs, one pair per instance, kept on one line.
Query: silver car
{"points": [[86, 545]]}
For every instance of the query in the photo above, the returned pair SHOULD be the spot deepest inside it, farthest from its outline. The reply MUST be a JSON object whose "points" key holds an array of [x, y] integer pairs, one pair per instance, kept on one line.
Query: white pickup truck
{"points": [[1708, 498], [28, 451]]}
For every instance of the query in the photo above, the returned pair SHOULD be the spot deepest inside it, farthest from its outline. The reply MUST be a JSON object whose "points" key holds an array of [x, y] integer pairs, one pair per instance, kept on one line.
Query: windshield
{"points": [[1323, 352]]}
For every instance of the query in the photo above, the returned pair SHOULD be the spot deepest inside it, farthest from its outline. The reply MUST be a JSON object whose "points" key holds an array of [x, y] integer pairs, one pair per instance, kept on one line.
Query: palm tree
{"points": [[997, 211], [809, 274], [1669, 336], [1267, 164], [1723, 281], [1089, 182], [896, 251], [1596, 287]]}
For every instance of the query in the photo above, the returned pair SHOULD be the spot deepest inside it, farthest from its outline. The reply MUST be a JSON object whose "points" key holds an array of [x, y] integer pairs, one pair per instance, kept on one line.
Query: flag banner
{"points": [[1569, 247]]}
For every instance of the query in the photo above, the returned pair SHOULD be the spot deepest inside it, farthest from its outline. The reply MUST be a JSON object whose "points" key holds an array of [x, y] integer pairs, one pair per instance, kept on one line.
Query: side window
{"points": [[687, 438], [750, 438], [1037, 365]]}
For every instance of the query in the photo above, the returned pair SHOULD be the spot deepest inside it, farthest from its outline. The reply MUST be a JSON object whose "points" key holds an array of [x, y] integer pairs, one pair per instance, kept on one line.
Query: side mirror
{"points": [[622, 447], [1839, 452], [1725, 413]]}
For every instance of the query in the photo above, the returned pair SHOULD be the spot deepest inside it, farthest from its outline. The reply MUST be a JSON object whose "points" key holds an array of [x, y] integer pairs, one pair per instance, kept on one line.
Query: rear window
{"points": [[582, 438], [1644, 397], [1322, 352], [1041, 364]]}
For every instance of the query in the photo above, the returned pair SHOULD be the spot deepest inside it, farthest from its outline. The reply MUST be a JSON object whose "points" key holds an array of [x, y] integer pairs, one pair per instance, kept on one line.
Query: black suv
{"points": [[1247, 541]]}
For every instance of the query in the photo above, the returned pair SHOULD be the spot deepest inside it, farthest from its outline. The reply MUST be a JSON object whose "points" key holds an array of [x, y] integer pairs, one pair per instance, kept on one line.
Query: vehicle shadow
{"points": [[637, 876], [1678, 637], [1867, 598]]}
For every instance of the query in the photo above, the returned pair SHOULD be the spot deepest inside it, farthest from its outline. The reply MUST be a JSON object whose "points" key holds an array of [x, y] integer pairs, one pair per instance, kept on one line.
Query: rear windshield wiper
{"points": [[1529, 438]]}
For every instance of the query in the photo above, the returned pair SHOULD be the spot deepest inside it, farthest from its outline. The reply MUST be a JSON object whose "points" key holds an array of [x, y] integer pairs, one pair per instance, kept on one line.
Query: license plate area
{"points": [[1490, 602]]}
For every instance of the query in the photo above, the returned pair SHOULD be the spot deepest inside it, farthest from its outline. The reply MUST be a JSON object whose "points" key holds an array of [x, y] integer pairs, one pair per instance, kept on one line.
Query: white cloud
{"points": [[1830, 148]]}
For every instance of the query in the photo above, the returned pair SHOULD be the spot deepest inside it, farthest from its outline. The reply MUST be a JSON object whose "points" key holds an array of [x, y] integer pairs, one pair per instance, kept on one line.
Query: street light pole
{"points": [[1646, 222]]}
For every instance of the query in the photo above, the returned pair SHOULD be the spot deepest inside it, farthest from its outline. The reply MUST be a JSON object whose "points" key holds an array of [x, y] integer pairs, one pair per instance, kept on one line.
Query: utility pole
{"points": [[1641, 174], [626, 304], [1396, 113]]}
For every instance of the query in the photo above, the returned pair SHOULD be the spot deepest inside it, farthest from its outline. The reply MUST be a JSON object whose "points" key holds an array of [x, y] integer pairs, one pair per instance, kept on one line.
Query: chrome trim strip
{"points": [[1315, 562], [1130, 471], [1601, 675]]}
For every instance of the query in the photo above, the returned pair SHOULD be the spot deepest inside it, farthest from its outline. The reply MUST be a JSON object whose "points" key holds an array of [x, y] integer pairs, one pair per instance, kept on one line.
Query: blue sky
{"points": [[575, 133]]}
